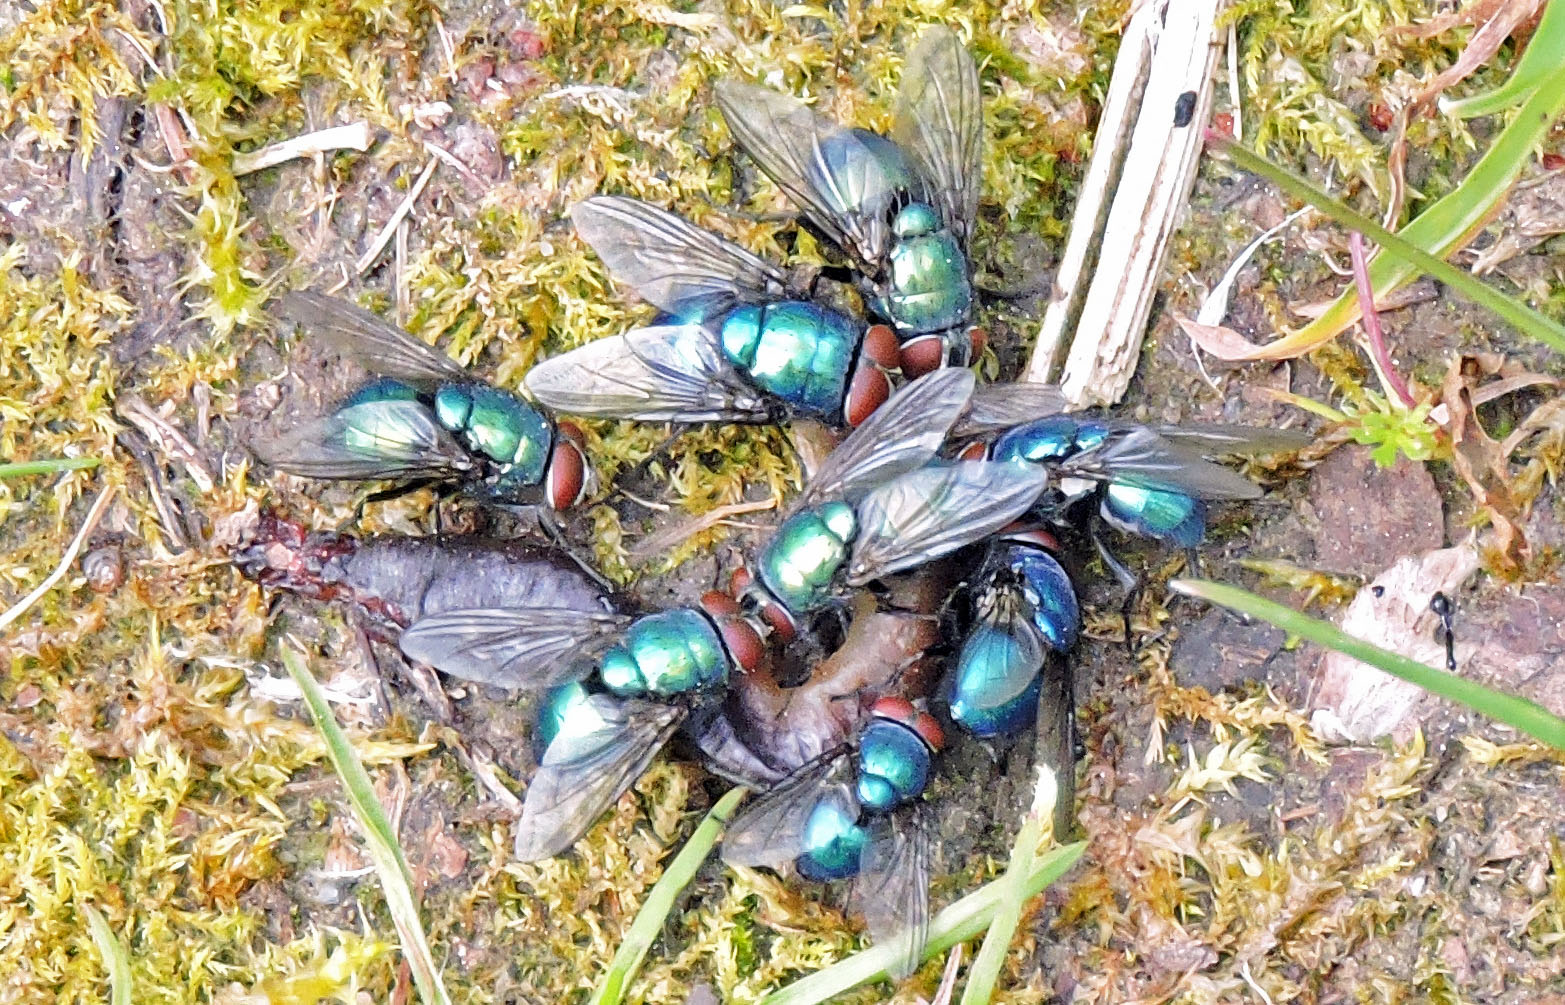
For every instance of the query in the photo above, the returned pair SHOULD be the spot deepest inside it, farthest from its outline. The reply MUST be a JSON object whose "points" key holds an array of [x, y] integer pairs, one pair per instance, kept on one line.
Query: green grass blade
{"points": [[963, 920], [113, 952], [1436, 232], [25, 469], [1538, 62], [1518, 713], [985, 971], [649, 920], [385, 853]]}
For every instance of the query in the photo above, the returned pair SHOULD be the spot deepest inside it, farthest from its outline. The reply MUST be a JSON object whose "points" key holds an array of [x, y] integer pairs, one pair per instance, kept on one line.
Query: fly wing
{"points": [[672, 264], [903, 434], [583, 773], [375, 439], [892, 888], [1139, 456], [939, 123], [517, 648], [666, 373], [994, 407], [1215, 440], [382, 347], [786, 139], [769, 831], [1056, 736], [930, 512]]}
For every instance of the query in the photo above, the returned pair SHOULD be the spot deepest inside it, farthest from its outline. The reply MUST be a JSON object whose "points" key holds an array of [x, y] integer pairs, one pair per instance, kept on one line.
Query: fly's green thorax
{"points": [[894, 766], [801, 559], [665, 654], [929, 289], [795, 350], [500, 426]]}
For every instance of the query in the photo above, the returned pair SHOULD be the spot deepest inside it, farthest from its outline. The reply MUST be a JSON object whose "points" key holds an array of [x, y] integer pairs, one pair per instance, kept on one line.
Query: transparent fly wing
{"points": [[1141, 457], [1217, 439], [673, 264], [939, 123], [375, 439], [832, 175], [892, 889], [903, 434], [382, 347], [666, 373], [995, 407], [517, 648], [769, 831], [924, 514], [1056, 736], [584, 772]]}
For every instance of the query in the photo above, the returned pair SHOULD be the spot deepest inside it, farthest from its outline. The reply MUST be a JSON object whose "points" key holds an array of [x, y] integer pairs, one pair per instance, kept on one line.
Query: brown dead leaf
{"points": [[1220, 341], [1479, 459]]}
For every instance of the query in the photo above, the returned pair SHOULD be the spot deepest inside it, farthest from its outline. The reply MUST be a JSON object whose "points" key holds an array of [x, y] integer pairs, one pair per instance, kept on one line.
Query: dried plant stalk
{"points": [[1143, 165]]}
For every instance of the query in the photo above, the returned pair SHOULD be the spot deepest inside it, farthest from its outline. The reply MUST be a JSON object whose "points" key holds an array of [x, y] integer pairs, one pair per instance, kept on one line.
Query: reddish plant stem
{"points": [[1377, 337]]}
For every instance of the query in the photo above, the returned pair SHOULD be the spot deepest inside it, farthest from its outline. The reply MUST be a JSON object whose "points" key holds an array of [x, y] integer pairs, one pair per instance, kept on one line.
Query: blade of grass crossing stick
{"points": [[963, 920], [985, 971], [113, 952], [649, 920], [385, 853], [1518, 713]]}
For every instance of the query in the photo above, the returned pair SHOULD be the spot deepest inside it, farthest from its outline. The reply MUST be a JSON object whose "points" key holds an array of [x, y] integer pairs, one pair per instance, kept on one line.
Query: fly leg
{"points": [[1128, 581]]}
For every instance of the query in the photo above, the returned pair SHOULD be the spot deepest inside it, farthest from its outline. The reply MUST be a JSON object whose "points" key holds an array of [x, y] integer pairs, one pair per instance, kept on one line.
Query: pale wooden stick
{"points": [[1146, 153]]}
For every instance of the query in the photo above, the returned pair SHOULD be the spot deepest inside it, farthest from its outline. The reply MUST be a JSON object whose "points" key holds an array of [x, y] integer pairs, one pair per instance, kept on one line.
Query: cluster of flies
{"points": [[935, 518]]}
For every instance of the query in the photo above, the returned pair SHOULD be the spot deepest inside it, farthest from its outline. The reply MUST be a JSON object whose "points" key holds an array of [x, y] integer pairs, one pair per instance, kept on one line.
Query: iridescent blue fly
{"points": [[902, 209], [1153, 481], [740, 340], [424, 417], [856, 812], [616, 689]]}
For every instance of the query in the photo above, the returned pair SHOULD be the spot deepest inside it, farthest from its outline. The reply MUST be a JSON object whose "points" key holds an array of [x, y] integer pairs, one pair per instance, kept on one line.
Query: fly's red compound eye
{"points": [[899, 710], [566, 480], [922, 355], [868, 391], [882, 346]]}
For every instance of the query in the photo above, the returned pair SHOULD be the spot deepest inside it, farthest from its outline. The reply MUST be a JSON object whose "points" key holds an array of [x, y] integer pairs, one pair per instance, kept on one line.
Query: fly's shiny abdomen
{"points": [[1049, 593], [1155, 513], [802, 557], [1052, 438], [564, 709], [665, 654], [798, 351], [367, 431], [498, 425], [894, 765], [993, 687], [928, 289], [833, 842]]}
